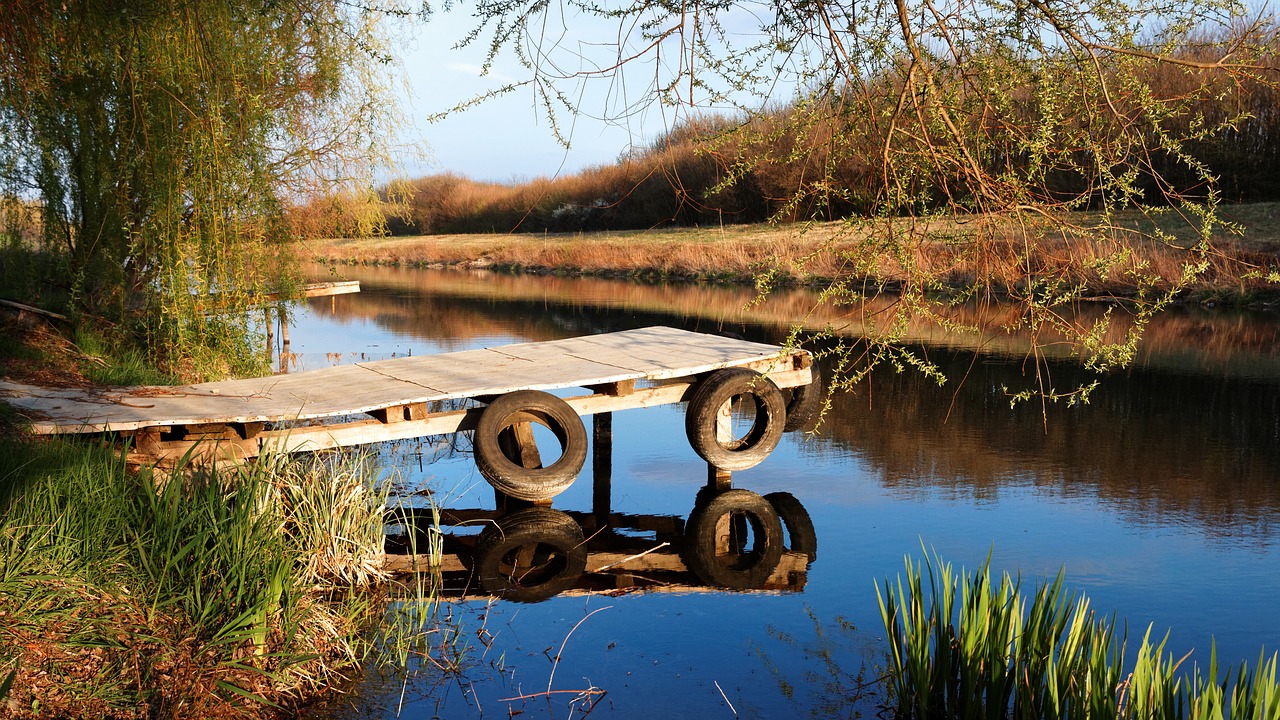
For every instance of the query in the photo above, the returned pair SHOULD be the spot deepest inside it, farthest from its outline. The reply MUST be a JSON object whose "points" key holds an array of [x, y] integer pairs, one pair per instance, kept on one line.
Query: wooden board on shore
{"points": [[398, 391], [21, 309]]}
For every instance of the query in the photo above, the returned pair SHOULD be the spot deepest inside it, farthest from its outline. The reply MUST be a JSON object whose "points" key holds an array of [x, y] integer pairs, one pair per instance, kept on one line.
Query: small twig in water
{"points": [[726, 699], [589, 692], [556, 663], [629, 559]]}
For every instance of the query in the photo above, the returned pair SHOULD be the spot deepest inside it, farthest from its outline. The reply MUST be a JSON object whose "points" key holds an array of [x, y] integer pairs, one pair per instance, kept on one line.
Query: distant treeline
{"points": [[797, 162]]}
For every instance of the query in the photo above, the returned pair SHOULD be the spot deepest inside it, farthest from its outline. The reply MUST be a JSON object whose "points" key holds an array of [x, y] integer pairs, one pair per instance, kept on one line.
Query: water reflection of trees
{"points": [[1150, 443]]}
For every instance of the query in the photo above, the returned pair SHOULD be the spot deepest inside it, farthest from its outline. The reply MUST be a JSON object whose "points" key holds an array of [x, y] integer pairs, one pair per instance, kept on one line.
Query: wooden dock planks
{"points": [[396, 391]]}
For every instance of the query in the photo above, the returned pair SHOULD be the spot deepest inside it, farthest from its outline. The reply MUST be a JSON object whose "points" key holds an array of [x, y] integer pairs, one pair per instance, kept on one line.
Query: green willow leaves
{"points": [[158, 145]]}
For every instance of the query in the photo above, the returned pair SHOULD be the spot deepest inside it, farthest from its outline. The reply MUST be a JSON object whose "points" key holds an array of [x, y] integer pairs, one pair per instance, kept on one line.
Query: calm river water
{"points": [[1160, 499]]}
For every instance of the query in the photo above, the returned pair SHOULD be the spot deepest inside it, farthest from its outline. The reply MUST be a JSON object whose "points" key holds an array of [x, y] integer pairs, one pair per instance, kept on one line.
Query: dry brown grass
{"points": [[1010, 254]]}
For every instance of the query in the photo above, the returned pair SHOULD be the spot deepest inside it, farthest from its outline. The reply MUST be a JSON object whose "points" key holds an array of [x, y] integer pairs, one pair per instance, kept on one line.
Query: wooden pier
{"points": [[529, 550], [411, 397]]}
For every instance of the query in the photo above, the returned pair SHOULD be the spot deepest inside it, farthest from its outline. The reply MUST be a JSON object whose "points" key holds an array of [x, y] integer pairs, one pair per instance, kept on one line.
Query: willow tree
{"points": [[161, 144], [1042, 152]]}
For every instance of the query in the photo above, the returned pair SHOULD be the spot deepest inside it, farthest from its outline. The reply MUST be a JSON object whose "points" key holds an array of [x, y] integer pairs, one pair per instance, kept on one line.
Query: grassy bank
{"points": [[1242, 267], [128, 595], [128, 600], [245, 591]]}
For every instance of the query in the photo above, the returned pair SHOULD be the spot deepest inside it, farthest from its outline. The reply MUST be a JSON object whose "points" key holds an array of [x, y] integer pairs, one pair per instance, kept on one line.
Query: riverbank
{"points": [[212, 592], [1241, 269]]}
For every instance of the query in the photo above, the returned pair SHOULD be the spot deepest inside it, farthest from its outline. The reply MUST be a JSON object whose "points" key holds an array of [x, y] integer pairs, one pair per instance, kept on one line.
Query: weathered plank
{"points": [[21, 308], [327, 437]]}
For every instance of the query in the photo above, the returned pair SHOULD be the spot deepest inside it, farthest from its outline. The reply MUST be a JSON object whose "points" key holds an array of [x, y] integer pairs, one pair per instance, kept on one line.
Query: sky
{"points": [[507, 138]]}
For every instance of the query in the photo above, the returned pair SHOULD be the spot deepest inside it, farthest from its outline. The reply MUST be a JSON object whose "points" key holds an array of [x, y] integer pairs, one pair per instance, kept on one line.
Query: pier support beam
{"points": [[717, 479], [602, 466]]}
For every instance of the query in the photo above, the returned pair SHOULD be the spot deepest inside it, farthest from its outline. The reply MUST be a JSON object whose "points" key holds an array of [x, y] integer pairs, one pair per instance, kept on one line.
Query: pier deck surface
{"points": [[401, 393]]}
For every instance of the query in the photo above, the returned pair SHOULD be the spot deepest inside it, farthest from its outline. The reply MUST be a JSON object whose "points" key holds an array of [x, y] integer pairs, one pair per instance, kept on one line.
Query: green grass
{"points": [[975, 647], [193, 596], [111, 363]]}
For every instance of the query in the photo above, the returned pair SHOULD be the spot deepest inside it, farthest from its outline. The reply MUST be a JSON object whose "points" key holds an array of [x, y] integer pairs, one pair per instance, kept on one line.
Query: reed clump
{"points": [[236, 590], [974, 646]]}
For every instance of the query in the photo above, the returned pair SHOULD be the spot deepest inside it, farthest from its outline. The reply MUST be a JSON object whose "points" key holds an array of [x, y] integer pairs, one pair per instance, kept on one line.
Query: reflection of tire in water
{"points": [[512, 414], [530, 555], [734, 540], [801, 537], [804, 402], [741, 389]]}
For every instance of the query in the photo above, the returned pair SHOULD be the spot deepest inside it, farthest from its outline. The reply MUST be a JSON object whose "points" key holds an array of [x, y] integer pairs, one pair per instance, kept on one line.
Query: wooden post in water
{"points": [[518, 444], [284, 341], [602, 466], [271, 335], [719, 479]]}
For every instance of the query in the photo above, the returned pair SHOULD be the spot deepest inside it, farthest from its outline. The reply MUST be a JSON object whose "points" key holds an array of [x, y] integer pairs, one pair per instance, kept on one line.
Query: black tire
{"points": [[722, 387], [530, 555], [508, 475], [804, 402], [801, 536], [734, 565]]}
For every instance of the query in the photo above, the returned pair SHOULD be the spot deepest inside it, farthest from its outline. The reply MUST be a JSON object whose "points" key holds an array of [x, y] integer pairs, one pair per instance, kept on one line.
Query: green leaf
{"points": [[7, 683]]}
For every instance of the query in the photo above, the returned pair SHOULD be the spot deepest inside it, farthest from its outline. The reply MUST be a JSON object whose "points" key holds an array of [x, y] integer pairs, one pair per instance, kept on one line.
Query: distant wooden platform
{"points": [[312, 290], [336, 287], [399, 398]]}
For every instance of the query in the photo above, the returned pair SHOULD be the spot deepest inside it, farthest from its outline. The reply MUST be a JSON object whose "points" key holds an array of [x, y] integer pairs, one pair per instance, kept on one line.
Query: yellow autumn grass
{"points": [[1109, 260]]}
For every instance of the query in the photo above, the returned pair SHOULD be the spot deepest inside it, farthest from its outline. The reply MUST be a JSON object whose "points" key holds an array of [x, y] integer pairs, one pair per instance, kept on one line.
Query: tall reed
{"points": [[968, 646]]}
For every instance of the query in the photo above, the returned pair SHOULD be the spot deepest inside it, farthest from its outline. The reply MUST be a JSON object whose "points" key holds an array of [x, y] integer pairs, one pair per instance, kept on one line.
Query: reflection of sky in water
{"points": [[661, 655]]}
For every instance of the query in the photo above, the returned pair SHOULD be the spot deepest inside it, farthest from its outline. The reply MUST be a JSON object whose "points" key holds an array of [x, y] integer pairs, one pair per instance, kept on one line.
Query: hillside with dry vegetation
{"points": [[799, 162]]}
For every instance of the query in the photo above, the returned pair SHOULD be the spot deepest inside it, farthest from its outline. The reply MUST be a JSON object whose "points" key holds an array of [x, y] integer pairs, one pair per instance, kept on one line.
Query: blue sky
{"points": [[508, 137]]}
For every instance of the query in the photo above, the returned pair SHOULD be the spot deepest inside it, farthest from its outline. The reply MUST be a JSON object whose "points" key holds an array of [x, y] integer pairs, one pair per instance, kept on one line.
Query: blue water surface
{"points": [[1159, 507]]}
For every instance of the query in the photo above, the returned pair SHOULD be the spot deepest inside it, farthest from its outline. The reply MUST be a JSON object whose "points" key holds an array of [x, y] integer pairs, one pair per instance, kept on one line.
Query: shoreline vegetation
{"points": [[233, 591], [974, 644], [1242, 266]]}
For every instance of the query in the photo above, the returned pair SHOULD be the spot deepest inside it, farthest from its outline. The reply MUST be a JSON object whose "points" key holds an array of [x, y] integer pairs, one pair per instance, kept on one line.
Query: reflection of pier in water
{"points": [[732, 539], [1191, 432]]}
